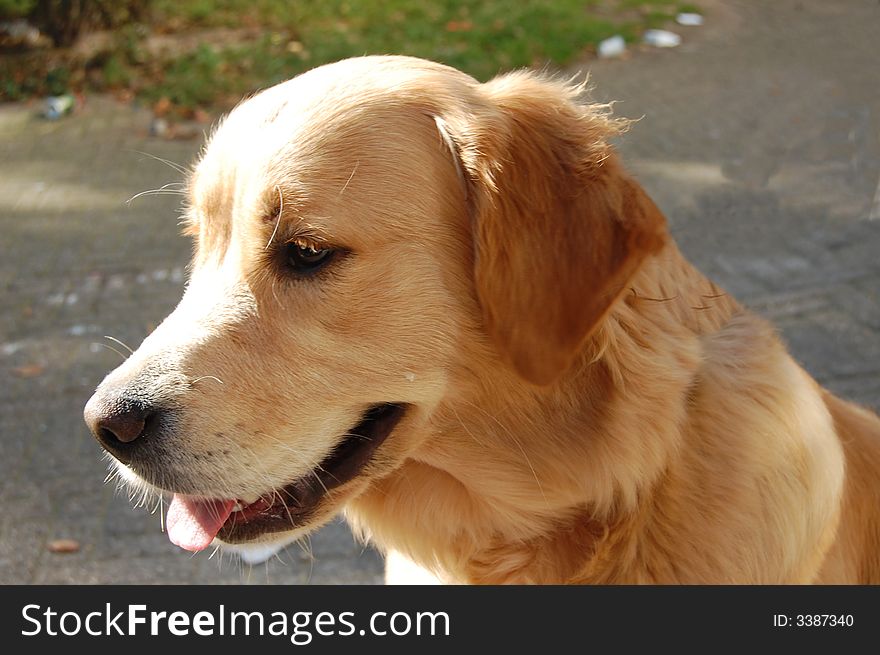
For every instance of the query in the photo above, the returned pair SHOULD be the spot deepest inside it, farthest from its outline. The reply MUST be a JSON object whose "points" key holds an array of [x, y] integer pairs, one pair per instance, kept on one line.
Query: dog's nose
{"points": [[125, 427], [116, 423]]}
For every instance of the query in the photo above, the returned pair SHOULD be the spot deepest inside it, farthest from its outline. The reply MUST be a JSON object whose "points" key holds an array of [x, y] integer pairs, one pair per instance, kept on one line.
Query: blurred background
{"points": [[759, 136]]}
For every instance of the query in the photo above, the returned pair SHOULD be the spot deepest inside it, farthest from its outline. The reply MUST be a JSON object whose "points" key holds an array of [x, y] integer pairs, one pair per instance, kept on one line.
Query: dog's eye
{"points": [[304, 259]]}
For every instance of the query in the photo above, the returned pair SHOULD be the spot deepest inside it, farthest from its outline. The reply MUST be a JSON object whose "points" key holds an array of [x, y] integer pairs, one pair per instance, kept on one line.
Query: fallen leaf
{"points": [[28, 370], [201, 116], [124, 95], [163, 106], [63, 546], [459, 26]]}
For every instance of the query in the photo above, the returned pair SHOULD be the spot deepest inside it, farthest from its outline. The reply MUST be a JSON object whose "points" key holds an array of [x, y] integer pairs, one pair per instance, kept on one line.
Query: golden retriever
{"points": [[445, 309]]}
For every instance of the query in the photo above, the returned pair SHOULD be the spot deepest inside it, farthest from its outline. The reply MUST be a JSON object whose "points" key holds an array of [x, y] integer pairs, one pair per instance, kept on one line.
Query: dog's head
{"points": [[366, 236]]}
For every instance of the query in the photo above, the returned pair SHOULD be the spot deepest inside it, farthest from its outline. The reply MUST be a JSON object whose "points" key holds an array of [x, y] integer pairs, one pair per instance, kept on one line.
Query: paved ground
{"points": [[760, 139]]}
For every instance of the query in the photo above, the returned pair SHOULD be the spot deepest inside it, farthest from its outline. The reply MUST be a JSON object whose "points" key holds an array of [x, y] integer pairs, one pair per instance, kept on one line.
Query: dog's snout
{"points": [[116, 423]]}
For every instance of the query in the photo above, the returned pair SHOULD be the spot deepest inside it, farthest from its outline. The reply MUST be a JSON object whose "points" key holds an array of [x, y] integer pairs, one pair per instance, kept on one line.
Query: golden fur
{"points": [[586, 407]]}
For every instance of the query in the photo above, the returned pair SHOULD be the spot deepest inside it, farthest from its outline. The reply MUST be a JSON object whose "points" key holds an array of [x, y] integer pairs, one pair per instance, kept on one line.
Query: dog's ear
{"points": [[559, 228]]}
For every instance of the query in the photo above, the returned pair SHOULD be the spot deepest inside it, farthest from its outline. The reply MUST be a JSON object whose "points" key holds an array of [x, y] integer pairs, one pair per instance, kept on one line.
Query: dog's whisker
{"points": [[161, 191], [274, 293], [281, 444], [311, 570], [287, 511], [304, 543], [326, 472], [277, 220], [177, 167], [206, 377], [320, 481], [465, 428], [518, 445], [109, 347], [124, 345], [350, 177], [291, 497]]}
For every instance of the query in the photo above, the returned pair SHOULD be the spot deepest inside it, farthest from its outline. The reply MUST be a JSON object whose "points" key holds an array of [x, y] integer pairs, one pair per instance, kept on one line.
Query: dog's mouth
{"points": [[194, 522]]}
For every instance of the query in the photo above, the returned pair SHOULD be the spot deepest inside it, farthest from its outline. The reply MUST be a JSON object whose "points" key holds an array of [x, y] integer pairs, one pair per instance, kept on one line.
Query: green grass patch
{"points": [[481, 37]]}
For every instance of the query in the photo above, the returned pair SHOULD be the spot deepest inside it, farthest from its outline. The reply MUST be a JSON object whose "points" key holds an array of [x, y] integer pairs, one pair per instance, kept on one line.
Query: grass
{"points": [[481, 37]]}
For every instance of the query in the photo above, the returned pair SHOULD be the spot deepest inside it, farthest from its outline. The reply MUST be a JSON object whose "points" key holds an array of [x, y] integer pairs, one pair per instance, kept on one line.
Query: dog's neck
{"points": [[514, 475]]}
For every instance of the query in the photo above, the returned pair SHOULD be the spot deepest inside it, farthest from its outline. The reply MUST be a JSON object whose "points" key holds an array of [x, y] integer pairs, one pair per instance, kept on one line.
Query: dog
{"points": [[444, 309]]}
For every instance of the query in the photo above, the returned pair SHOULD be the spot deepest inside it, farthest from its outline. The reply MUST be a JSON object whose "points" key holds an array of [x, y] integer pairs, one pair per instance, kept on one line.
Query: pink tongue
{"points": [[193, 523]]}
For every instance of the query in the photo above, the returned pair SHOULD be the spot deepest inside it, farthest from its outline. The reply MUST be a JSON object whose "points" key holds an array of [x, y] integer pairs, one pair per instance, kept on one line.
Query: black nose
{"points": [[117, 422]]}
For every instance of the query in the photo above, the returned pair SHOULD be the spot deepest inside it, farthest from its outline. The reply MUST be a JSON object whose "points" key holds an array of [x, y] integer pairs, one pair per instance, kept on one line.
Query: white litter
{"points": [[116, 281], [613, 46], [661, 38], [159, 127], [11, 348], [689, 19], [55, 107]]}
